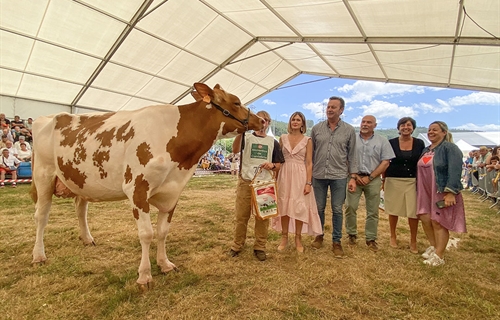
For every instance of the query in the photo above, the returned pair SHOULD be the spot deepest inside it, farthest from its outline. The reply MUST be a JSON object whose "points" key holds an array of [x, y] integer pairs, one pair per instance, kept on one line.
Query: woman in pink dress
{"points": [[440, 203], [298, 213]]}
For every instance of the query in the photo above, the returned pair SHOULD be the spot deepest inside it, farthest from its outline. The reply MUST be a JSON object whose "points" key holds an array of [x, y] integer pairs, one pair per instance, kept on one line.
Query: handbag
{"points": [[264, 197]]}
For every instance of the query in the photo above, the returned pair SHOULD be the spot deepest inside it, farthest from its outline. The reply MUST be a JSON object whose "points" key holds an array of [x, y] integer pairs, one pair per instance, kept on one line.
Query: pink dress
{"points": [[291, 199], [452, 218]]}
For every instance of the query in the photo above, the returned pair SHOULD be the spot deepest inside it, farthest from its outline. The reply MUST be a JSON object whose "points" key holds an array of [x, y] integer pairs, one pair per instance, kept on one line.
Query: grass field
{"points": [[98, 282]]}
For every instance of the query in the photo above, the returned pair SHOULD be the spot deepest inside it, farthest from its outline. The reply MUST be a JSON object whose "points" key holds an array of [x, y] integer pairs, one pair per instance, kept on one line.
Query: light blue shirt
{"points": [[371, 152]]}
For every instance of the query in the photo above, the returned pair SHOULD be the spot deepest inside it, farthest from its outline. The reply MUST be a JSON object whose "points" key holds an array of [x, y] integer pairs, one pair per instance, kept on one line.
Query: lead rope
{"points": [[241, 152]]}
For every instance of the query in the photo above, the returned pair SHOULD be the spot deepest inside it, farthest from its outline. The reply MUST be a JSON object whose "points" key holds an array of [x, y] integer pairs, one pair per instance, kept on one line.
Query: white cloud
{"points": [[268, 102], [384, 109], [367, 90], [316, 108], [284, 115], [476, 98], [472, 126]]}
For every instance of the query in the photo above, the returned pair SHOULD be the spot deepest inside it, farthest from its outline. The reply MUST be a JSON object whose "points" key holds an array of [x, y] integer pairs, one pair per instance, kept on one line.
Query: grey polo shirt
{"points": [[372, 152], [334, 151]]}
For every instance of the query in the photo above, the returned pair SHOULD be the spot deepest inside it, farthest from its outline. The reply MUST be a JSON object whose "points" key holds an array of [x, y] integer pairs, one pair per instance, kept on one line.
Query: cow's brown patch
{"points": [[122, 136], [136, 213], [80, 155], [140, 197], [128, 174], [71, 173], [87, 125], [196, 132], [63, 121], [105, 137], [144, 153], [99, 157]]}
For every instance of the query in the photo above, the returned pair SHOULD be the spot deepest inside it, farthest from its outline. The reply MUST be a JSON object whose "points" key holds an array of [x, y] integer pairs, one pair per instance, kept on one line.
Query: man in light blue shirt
{"points": [[374, 153]]}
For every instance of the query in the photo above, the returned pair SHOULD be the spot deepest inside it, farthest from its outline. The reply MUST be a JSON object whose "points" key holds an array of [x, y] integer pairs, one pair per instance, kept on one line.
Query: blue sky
{"points": [[388, 102]]}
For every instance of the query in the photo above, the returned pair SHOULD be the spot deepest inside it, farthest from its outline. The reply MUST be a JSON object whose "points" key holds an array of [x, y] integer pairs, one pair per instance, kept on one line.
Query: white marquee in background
{"points": [[107, 55]]}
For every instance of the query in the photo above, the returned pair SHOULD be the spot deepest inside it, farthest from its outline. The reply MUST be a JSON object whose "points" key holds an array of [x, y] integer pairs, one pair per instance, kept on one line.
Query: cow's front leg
{"points": [[81, 207], [163, 225], [145, 231]]}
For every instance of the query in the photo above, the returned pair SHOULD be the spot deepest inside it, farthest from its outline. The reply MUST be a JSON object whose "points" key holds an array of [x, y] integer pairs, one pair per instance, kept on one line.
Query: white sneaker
{"points": [[428, 252], [434, 260]]}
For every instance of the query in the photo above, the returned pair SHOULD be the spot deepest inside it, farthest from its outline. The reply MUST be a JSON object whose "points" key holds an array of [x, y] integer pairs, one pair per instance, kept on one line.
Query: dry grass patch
{"points": [[98, 282]]}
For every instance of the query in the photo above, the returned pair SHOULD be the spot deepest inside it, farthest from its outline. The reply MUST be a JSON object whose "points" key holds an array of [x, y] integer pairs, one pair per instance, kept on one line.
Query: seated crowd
{"points": [[15, 147]]}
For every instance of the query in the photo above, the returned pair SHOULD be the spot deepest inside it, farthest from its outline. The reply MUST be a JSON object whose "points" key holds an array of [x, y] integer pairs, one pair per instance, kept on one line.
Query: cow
{"points": [[113, 156]]}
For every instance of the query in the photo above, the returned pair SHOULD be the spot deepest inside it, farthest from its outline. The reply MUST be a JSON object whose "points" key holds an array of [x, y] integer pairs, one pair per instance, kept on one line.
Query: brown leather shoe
{"points": [[372, 245], [352, 239], [318, 242], [338, 252]]}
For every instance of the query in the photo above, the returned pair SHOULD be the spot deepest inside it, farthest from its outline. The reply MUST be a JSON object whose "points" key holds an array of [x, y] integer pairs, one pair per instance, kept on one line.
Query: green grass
{"points": [[98, 282]]}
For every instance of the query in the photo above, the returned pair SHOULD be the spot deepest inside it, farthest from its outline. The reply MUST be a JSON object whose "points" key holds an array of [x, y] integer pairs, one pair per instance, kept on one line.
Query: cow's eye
{"points": [[238, 104]]}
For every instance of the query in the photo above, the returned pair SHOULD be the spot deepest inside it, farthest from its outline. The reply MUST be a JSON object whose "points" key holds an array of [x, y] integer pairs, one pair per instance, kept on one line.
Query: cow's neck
{"points": [[196, 132]]}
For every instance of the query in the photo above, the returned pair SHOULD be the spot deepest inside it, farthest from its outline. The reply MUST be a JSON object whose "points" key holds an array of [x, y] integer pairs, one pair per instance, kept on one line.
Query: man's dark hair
{"points": [[342, 102]]}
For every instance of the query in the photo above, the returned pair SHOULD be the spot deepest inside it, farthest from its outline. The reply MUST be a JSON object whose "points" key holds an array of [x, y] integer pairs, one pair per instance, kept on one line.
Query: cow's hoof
{"points": [[38, 262], [168, 267], [145, 287]]}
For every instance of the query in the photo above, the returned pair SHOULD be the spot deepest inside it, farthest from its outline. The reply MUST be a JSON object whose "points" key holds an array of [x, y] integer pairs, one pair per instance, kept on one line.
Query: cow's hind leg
{"points": [[163, 225], [81, 207], [145, 231], [42, 209]]}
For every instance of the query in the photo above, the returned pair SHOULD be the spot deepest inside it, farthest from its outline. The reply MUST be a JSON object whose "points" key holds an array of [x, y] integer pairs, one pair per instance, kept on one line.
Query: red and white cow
{"points": [[113, 156]]}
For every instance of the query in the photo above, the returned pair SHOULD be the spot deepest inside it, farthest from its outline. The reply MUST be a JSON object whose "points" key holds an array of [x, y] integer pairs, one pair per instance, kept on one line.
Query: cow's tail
{"points": [[33, 192]]}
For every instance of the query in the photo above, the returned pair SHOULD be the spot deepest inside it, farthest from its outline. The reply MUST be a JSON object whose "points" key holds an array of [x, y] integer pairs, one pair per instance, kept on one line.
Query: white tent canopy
{"points": [[108, 55], [464, 147]]}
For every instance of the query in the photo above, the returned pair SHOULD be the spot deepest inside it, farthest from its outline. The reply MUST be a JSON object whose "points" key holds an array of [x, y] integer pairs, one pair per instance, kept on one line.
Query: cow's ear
{"points": [[196, 95], [204, 91]]}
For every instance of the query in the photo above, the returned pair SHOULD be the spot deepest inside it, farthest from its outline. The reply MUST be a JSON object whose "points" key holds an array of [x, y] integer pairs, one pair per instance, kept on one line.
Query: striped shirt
{"points": [[334, 155]]}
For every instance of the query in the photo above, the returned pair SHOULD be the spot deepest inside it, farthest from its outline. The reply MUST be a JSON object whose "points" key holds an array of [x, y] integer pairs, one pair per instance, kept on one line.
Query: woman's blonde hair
{"points": [[444, 127], [303, 128]]}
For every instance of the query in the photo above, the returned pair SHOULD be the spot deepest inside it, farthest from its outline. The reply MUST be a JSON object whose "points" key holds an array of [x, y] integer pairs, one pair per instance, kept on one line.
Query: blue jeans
{"points": [[338, 193]]}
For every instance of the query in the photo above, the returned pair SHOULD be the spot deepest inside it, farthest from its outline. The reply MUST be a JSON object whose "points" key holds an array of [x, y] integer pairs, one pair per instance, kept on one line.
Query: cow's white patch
{"points": [[208, 106]]}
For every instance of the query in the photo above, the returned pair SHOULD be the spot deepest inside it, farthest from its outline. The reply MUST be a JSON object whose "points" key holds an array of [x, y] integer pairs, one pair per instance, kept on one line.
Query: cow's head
{"points": [[236, 117]]}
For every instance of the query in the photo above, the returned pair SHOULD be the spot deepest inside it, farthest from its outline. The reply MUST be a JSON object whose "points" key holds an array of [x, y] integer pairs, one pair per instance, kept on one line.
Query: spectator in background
{"points": [[22, 139], [8, 133], [235, 163], [400, 184], [494, 152], [468, 168], [4, 121], [8, 164], [16, 133], [10, 146], [17, 122], [29, 125], [374, 153], [334, 160], [440, 205], [23, 154], [4, 140]]}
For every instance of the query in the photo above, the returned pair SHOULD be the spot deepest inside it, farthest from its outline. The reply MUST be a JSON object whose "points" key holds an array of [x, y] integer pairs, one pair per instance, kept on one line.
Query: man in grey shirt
{"points": [[374, 154], [334, 145]]}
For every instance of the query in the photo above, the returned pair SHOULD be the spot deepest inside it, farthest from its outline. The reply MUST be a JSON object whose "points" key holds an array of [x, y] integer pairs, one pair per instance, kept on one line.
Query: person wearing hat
{"points": [[8, 164]]}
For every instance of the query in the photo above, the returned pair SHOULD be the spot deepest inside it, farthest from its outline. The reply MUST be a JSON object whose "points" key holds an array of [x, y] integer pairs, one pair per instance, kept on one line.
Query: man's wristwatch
{"points": [[370, 178], [274, 166], [353, 177]]}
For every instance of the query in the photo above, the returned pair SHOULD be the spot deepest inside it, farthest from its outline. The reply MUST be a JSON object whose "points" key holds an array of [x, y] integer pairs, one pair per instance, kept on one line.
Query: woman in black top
{"points": [[400, 186]]}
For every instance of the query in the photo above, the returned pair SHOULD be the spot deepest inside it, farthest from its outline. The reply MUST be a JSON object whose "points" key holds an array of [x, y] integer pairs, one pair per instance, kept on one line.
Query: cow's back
{"points": [[92, 154]]}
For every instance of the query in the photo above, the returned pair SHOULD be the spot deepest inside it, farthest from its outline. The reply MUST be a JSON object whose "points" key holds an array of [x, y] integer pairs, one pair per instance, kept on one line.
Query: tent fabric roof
{"points": [[122, 55]]}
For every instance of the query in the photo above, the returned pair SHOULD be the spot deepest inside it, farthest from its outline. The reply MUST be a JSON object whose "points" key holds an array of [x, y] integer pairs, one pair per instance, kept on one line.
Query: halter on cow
{"points": [[113, 156]]}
